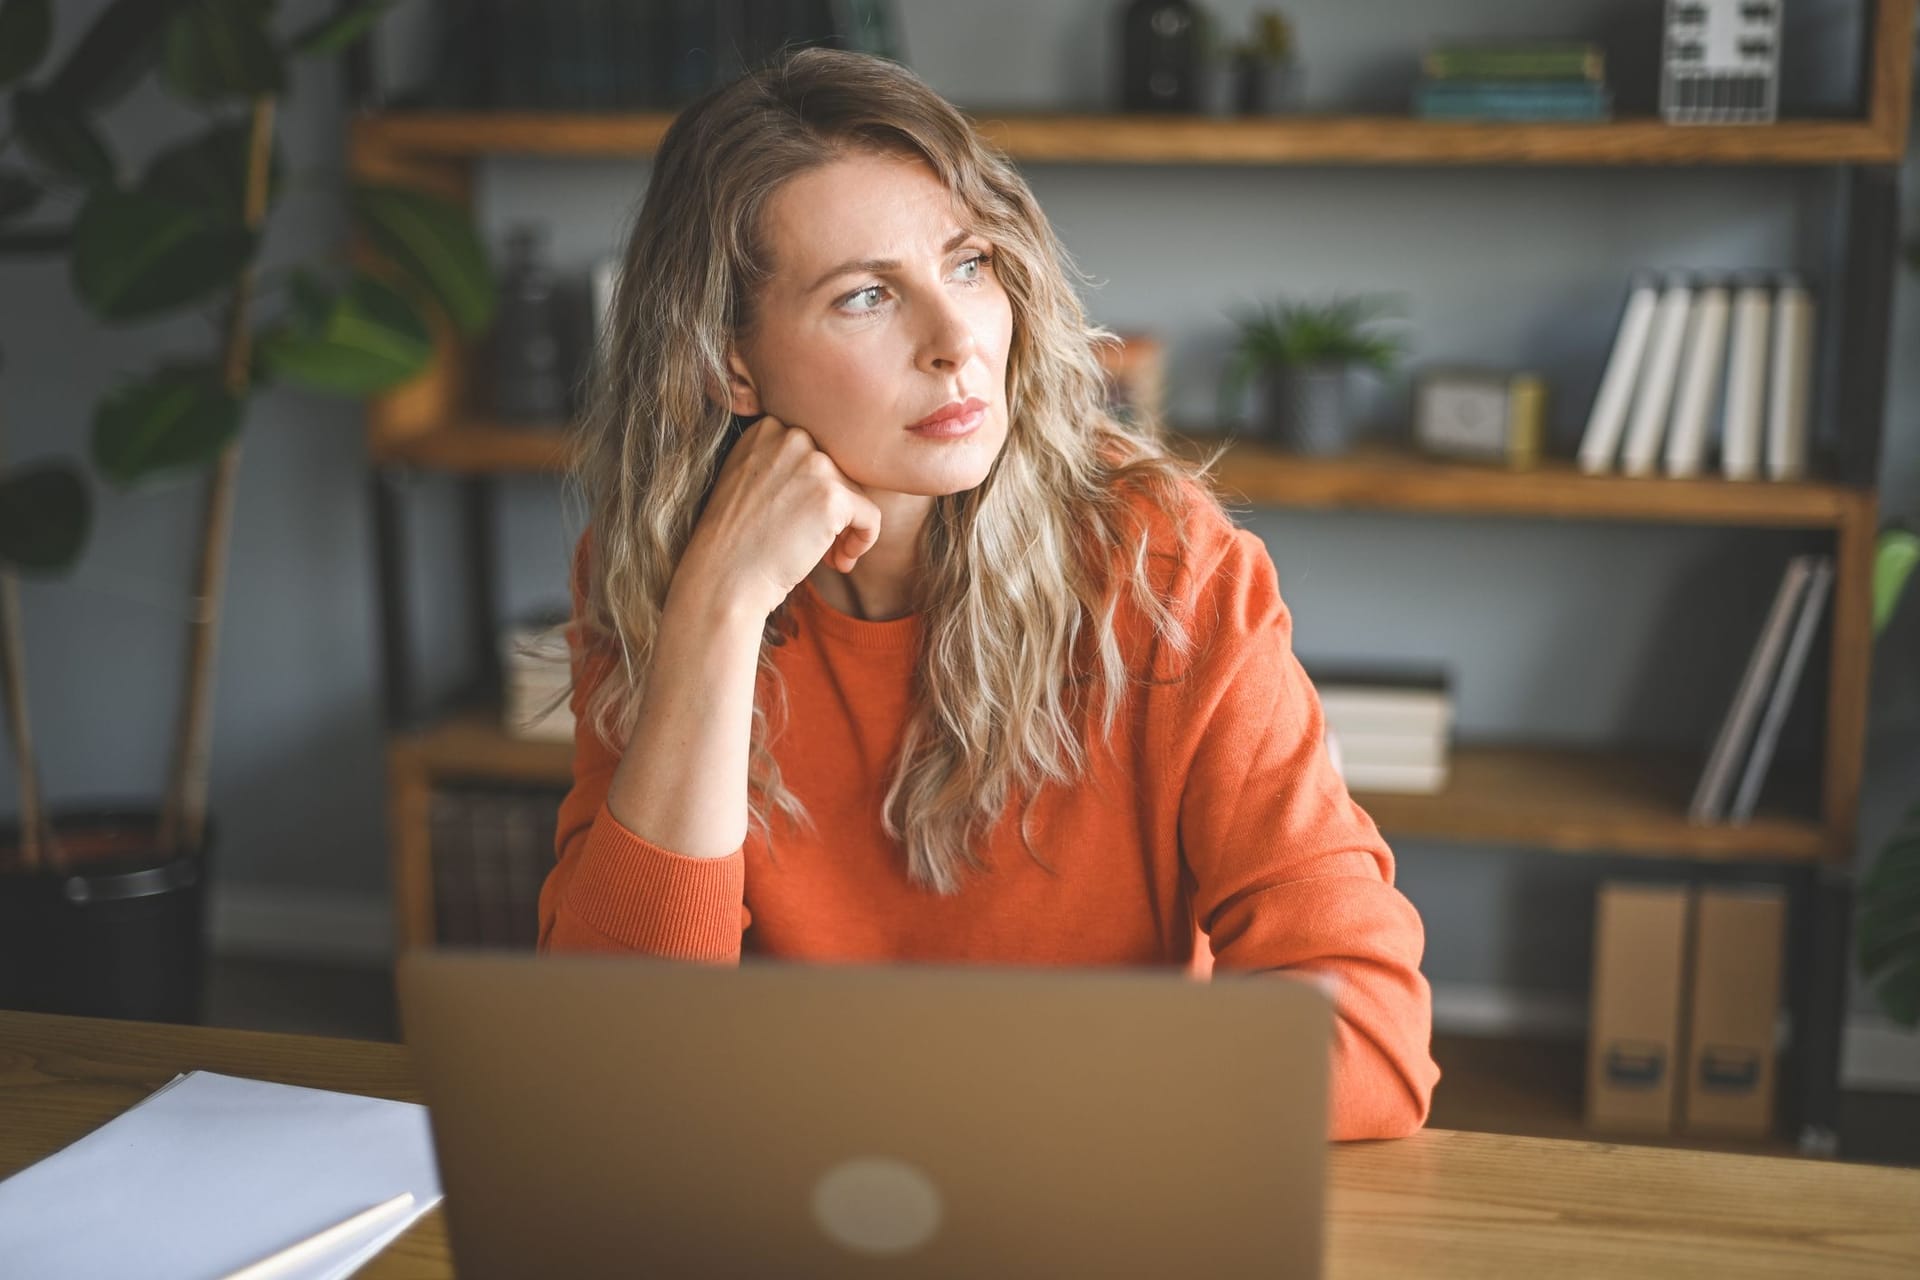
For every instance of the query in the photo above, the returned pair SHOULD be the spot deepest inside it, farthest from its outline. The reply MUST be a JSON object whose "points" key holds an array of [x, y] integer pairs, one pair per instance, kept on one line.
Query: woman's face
{"points": [[883, 307]]}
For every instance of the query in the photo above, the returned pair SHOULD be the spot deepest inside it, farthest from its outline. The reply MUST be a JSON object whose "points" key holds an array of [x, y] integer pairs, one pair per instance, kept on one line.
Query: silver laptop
{"points": [[599, 1116]]}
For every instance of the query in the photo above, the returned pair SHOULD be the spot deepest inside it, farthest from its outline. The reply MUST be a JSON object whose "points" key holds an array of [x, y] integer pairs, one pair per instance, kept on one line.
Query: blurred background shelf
{"points": [[1373, 478], [1062, 138], [1544, 797]]}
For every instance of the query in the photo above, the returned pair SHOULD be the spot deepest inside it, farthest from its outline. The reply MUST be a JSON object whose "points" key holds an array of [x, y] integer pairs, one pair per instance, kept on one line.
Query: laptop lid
{"points": [[599, 1116]]}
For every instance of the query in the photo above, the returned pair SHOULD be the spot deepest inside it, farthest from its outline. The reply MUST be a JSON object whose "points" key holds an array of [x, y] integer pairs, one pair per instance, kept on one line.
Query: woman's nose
{"points": [[951, 341]]}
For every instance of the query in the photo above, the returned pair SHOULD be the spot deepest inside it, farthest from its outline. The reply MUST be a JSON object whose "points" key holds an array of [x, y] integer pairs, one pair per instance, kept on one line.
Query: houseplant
{"points": [[1887, 938], [1887, 933], [1303, 353], [103, 912], [1270, 73]]}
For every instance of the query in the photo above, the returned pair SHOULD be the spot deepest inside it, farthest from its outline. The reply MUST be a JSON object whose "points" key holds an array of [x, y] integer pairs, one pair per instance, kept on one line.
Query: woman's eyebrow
{"points": [[884, 264]]}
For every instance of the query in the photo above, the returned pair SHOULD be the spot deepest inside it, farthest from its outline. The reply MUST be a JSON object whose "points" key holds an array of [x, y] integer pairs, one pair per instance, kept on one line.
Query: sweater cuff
{"points": [[654, 900]]}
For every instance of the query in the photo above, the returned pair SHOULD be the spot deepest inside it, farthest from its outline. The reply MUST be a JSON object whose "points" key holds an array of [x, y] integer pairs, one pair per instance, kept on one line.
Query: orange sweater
{"points": [[1216, 831]]}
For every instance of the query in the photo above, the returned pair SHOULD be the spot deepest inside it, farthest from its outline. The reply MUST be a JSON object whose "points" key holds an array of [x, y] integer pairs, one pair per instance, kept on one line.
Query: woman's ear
{"points": [[741, 398]]}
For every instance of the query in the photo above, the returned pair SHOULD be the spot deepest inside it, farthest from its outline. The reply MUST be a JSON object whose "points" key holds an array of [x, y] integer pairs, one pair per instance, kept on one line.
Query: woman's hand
{"points": [[779, 507]]}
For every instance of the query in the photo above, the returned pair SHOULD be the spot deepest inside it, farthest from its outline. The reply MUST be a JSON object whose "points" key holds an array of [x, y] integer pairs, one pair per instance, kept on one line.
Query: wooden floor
{"points": [[1491, 1085]]}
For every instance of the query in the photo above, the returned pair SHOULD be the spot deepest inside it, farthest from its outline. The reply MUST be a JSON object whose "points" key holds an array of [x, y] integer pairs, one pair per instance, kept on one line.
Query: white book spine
{"points": [[1699, 383], [1609, 416], [1746, 383], [1654, 399], [1792, 379]]}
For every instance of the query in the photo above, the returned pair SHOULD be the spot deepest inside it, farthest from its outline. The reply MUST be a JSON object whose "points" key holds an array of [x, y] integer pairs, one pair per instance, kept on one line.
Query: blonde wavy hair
{"points": [[1022, 576]]}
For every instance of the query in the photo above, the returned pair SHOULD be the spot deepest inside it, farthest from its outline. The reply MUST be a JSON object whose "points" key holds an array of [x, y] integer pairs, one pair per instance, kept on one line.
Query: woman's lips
{"points": [[952, 428]]}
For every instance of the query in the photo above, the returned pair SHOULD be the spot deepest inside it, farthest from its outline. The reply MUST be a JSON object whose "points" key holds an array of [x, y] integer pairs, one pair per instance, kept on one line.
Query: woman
{"points": [[935, 660]]}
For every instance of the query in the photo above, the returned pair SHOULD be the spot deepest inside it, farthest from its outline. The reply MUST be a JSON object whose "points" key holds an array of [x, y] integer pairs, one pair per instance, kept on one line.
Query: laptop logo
{"points": [[876, 1205]]}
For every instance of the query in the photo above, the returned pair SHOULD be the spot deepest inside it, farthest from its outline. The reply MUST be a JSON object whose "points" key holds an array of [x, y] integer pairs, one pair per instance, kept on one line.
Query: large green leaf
{"points": [[26, 29], [434, 243], [337, 31], [221, 49], [44, 516], [1887, 934], [1893, 564], [370, 340], [210, 172], [121, 47], [18, 192], [180, 417], [136, 254], [60, 136]]}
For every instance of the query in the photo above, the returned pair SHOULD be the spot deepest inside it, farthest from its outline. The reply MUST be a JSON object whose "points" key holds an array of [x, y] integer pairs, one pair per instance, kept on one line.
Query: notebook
{"points": [[210, 1173]]}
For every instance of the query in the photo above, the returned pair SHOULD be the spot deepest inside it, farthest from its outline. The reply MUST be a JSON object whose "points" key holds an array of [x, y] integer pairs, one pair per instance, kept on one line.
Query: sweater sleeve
{"points": [[1288, 871], [610, 889]]}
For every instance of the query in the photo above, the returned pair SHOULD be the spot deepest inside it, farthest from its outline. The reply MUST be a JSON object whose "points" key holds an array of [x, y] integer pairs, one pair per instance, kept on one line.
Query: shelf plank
{"points": [[1370, 479], [1382, 478], [1576, 800], [1551, 798], [1087, 138], [475, 745]]}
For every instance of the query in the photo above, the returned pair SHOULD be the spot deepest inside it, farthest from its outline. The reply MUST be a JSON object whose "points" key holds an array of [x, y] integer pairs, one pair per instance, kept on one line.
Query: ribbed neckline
{"points": [[896, 635]]}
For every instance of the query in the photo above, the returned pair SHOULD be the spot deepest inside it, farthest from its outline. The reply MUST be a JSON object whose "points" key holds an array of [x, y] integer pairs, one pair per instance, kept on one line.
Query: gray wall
{"points": [[1555, 630]]}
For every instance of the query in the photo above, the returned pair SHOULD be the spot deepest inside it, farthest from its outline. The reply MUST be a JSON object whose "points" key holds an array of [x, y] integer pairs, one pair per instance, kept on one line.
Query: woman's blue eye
{"points": [[979, 260]]}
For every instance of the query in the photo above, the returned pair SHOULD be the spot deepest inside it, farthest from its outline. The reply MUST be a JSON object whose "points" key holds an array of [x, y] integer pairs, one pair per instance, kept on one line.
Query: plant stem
{"points": [[184, 816], [14, 678]]}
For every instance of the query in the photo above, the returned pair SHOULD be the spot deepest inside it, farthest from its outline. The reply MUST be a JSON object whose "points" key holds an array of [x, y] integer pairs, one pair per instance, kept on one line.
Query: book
{"points": [[1740, 421], [1790, 380], [1511, 100], [1607, 421], [1408, 779], [1730, 745], [1397, 749], [1384, 699], [1701, 368], [1544, 60], [1781, 697], [1653, 398]]}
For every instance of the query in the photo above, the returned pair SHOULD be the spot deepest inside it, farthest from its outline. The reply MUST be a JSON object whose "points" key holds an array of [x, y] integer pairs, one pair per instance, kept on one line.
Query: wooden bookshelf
{"points": [[1542, 796]]}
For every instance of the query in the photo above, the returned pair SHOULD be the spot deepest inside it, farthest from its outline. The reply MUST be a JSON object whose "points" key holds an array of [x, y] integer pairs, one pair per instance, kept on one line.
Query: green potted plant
{"points": [[1887, 934], [102, 909], [1270, 74], [1887, 938], [1303, 353]]}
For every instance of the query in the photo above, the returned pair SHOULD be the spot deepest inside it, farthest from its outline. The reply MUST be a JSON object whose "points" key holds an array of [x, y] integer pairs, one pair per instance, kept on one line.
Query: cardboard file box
{"points": [[1728, 1087], [1634, 1021]]}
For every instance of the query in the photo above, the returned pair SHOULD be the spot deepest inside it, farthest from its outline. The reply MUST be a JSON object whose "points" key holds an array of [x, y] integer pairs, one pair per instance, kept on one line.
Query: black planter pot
{"points": [[121, 932]]}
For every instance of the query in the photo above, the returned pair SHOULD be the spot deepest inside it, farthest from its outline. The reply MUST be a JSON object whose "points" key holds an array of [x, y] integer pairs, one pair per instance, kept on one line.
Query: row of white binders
{"points": [[1692, 344]]}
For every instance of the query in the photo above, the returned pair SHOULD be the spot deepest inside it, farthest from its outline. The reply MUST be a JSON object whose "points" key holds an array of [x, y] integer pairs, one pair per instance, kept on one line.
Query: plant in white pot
{"points": [[1303, 354], [102, 910]]}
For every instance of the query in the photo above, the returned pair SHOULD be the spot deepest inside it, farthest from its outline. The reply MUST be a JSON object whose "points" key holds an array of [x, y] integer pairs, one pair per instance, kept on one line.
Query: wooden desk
{"points": [[1441, 1203]]}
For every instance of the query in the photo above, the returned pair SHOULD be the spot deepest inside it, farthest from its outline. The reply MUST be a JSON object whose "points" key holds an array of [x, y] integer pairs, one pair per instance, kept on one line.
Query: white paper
{"points": [[210, 1173]]}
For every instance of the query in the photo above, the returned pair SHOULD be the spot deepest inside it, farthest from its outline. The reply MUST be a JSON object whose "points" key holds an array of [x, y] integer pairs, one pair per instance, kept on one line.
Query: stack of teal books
{"points": [[1559, 80]]}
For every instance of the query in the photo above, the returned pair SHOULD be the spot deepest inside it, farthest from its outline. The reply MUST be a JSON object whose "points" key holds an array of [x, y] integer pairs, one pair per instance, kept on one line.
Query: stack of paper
{"points": [[212, 1173]]}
